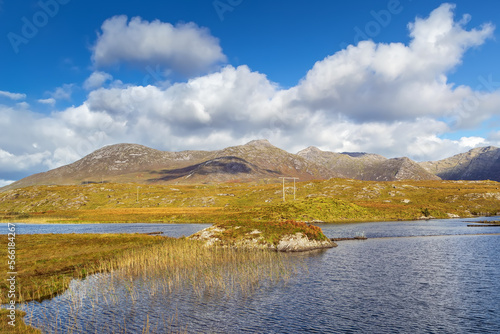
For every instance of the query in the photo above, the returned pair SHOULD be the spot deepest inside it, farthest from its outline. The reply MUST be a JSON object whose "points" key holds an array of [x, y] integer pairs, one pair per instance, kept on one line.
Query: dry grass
{"points": [[19, 328], [180, 264], [268, 232], [336, 200], [46, 263]]}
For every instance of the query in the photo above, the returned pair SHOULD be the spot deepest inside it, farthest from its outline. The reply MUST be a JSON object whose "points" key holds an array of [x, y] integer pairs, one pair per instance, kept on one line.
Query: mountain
{"points": [[119, 163], [258, 160], [477, 164], [253, 161], [366, 166]]}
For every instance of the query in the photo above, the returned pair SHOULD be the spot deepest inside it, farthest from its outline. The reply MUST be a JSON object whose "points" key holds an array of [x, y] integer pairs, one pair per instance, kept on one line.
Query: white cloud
{"points": [[96, 80], [34, 142], [62, 93], [50, 101], [183, 48], [12, 96], [11, 162], [391, 99], [382, 98], [4, 183], [23, 105], [394, 81], [235, 99]]}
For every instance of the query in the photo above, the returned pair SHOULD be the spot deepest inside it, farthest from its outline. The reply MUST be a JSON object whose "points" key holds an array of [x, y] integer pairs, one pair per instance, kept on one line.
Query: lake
{"points": [[437, 276], [171, 230]]}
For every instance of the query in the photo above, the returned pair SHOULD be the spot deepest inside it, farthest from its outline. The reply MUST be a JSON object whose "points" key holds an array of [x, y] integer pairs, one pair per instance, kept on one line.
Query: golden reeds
{"points": [[172, 267]]}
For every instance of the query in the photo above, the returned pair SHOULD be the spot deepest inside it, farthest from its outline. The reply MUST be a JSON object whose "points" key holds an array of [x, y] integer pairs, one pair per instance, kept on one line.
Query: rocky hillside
{"points": [[255, 161], [369, 167], [477, 164], [120, 163]]}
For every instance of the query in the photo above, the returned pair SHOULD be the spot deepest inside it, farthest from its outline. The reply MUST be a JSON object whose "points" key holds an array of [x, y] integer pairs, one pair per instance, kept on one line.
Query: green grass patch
{"points": [[19, 328], [270, 232], [325, 209], [46, 263], [335, 200]]}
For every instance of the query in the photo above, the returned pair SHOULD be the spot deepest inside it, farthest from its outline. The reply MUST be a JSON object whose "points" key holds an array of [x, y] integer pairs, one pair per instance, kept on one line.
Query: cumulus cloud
{"points": [[384, 98], [96, 80], [4, 183], [52, 140], [62, 93], [183, 48], [391, 99], [11, 162], [12, 96], [50, 101], [395, 81]]}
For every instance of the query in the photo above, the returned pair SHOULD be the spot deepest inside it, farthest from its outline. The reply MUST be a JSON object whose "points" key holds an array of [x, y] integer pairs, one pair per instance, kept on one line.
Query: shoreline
{"points": [[346, 221]]}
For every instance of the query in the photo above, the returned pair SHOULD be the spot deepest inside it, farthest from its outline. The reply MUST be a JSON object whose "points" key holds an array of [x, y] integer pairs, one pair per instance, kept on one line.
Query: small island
{"points": [[284, 236]]}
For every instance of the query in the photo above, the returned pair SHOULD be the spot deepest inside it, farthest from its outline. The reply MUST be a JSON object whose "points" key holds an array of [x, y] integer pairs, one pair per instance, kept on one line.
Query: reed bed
{"points": [[169, 271], [187, 264]]}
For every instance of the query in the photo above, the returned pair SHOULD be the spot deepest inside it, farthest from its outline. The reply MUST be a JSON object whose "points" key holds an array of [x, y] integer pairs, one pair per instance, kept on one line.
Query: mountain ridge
{"points": [[480, 163], [258, 160]]}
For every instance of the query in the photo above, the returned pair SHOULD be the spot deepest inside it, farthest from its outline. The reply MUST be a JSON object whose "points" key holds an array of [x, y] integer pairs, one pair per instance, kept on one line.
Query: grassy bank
{"points": [[268, 233], [47, 263], [336, 200], [19, 328]]}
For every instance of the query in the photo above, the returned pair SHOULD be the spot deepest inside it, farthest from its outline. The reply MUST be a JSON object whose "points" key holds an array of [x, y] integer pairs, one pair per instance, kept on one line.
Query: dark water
{"points": [[446, 283], [171, 230], [432, 227]]}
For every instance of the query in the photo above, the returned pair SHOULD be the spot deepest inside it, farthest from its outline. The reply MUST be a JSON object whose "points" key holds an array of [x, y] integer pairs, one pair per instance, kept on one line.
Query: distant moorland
{"points": [[334, 200]]}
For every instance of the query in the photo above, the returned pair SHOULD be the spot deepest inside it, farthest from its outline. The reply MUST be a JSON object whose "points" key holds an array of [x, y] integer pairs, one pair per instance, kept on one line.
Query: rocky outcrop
{"points": [[368, 167], [297, 242], [481, 163]]}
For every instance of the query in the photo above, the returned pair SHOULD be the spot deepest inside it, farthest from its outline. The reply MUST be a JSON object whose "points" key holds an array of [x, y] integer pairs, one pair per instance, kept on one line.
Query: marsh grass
{"points": [[187, 264], [132, 265], [335, 200], [46, 263], [19, 328]]}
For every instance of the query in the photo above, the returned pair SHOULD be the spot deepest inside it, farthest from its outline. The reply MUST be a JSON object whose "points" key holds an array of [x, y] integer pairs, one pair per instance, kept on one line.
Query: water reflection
{"points": [[443, 284], [431, 227], [171, 230]]}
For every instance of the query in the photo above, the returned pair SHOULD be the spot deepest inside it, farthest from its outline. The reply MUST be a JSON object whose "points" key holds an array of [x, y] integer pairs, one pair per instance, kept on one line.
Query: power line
{"points": [[294, 188]]}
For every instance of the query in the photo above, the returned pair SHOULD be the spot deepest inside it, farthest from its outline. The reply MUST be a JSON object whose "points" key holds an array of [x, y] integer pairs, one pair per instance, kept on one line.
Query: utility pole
{"points": [[137, 194], [283, 187], [294, 178]]}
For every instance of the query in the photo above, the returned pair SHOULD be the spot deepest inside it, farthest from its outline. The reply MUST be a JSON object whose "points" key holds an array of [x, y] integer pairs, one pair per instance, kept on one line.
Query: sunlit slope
{"points": [[329, 200]]}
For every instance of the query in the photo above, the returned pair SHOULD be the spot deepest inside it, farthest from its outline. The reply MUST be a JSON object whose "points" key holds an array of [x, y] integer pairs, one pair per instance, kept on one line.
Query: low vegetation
{"points": [[19, 328], [268, 233], [46, 264], [180, 264], [335, 200]]}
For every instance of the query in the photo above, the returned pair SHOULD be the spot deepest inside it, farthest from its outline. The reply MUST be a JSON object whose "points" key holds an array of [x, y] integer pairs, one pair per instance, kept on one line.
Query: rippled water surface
{"points": [[171, 230], [446, 283]]}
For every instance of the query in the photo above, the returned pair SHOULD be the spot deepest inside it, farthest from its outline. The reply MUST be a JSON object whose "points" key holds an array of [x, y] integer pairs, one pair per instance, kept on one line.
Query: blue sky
{"points": [[423, 81]]}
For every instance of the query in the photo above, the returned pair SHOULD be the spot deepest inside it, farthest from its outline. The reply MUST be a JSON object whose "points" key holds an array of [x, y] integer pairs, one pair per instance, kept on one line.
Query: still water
{"points": [[171, 230], [418, 277]]}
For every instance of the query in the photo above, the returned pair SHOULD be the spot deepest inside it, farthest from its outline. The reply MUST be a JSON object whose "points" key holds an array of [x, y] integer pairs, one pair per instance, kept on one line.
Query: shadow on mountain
{"points": [[225, 165], [355, 154]]}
